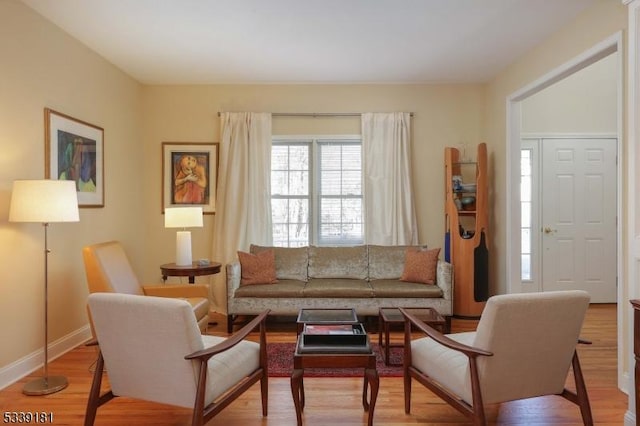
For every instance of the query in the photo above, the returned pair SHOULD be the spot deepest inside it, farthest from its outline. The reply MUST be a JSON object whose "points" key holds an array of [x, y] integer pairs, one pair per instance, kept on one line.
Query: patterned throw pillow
{"points": [[420, 266], [257, 268]]}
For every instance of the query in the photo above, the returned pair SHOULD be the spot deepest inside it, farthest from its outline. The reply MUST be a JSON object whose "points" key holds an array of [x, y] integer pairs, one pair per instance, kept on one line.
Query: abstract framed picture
{"points": [[190, 175], [74, 150]]}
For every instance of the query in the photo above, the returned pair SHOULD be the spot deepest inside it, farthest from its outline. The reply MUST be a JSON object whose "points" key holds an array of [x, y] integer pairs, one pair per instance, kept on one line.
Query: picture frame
{"points": [[190, 175], [74, 150]]}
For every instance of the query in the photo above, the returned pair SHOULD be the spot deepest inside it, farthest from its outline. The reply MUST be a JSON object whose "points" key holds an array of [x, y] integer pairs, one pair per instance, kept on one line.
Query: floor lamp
{"points": [[183, 217], [44, 201]]}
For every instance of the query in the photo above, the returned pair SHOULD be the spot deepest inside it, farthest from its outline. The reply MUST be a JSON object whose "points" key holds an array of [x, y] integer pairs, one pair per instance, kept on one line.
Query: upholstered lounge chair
{"points": [[153, 350], [108, 270], [523, 347]]}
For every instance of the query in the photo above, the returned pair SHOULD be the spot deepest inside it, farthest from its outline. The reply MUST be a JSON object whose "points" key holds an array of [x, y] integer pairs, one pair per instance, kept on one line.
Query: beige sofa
{"points": [[362, 277]]}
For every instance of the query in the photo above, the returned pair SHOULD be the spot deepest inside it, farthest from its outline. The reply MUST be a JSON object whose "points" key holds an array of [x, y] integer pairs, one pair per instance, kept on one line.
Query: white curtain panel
{"points": [[389, 212], [243, 215]]}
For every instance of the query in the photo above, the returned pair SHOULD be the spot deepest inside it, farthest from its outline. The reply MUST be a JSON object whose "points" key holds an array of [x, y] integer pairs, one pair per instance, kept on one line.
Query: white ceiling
{"points": [[310, 41]]}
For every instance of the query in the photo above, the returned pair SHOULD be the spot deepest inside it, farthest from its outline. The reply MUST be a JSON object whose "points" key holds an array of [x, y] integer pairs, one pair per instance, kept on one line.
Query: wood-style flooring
{"points": [[337, 401]]}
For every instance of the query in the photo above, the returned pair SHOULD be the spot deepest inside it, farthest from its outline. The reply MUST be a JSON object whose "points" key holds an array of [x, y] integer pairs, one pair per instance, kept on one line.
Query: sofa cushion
{"points": [[397, 288], [337, 288], [291, 262], [283, 288], [257, 268], [338, 262], [420, 266], [387, 262]]}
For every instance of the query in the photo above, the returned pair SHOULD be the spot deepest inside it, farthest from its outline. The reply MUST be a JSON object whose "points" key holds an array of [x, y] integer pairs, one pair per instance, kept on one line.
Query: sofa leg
{"points": [[447, 324], [230, 323]]}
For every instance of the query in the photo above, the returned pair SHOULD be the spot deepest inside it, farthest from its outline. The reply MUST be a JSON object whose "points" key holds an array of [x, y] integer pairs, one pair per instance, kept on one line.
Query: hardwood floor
{"points": [[337, 401]]}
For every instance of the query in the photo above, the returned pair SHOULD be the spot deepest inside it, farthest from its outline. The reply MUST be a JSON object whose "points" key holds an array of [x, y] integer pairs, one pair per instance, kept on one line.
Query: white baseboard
{"points": [[28, 364]]}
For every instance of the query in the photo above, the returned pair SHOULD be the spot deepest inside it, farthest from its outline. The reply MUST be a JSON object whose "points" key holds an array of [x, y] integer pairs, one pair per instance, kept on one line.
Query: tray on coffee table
{"points": [[319, 335], [326, 316]]}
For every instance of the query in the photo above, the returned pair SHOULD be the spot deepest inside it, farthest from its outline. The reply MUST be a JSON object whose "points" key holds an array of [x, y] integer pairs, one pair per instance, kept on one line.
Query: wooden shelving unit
{"points": [[466, 238]]}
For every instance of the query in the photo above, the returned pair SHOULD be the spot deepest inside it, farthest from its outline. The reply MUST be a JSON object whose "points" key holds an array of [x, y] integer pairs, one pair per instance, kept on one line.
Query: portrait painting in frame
{"points": [[189, 175]]}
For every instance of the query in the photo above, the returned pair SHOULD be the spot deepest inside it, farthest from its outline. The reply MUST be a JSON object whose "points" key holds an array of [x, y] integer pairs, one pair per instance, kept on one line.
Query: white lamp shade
{"points": [[44, 201], [183, 217]]}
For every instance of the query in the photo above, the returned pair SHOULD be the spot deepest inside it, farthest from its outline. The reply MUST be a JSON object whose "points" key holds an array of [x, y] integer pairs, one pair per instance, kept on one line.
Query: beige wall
{"points": [[585, 102], [44, 67], [445, 115]]}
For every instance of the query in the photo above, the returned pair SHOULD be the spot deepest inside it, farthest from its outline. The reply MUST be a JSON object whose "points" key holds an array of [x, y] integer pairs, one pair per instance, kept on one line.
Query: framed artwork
{"points": [[190, 175], [74, 150]]}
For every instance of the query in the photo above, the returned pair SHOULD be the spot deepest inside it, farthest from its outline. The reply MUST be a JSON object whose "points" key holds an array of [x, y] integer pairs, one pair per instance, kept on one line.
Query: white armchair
{"points": [[153, 350], [522, 348]]}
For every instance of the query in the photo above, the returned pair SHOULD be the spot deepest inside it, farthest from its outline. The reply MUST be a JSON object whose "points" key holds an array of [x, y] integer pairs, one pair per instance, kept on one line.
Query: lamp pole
{"points": [[46, 385]]}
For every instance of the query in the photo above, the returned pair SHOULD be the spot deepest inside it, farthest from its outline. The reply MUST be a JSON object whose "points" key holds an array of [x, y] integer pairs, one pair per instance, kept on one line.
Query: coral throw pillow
{"points": [[420, 266], [257, 268]]}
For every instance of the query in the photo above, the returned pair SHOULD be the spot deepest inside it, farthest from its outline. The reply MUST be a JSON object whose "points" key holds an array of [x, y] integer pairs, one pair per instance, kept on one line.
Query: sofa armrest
{"points": [[177, 290], [233, 277], [444, 279]]}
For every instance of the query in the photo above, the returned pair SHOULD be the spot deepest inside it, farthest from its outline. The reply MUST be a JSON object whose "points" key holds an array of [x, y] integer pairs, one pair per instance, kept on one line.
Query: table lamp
{"points": [[44, 201], [183, 217]]}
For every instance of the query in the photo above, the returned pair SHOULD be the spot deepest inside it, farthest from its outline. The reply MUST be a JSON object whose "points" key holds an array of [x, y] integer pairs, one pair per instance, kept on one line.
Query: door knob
{"points": [[548, 230]]}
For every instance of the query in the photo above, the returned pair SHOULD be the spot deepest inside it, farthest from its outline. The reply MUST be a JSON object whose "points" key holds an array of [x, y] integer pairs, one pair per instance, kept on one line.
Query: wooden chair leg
{"points": [[264, 392], [197, 418], [94, 393], [95, 400], [407, 393], [581, 391], [406, 364], [479, 418]]}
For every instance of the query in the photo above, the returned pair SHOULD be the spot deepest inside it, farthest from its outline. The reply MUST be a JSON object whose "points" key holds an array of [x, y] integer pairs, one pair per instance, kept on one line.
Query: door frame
{"points": [[606, 47]]}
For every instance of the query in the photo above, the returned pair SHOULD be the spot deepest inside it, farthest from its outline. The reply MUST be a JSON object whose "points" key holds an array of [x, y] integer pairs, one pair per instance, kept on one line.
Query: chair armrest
{"points": [[177, 290], [236, 338], [442, 339]]}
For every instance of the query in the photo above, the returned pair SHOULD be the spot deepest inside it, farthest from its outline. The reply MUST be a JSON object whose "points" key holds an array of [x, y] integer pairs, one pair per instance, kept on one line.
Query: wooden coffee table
{"points": [[335, 359], [388, 316]]}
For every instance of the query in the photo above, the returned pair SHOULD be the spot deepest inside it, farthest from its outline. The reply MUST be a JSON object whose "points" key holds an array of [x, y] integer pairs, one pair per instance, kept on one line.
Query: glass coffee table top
{"points": [[321, 316], [428, 315]]}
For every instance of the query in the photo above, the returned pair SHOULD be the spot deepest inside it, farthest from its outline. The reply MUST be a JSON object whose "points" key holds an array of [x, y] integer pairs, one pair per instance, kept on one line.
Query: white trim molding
{"points": [[633, 210], [35, 360]]}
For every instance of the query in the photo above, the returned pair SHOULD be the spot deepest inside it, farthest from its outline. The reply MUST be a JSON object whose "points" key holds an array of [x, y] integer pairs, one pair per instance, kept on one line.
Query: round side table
{"points": [[192, 271]]}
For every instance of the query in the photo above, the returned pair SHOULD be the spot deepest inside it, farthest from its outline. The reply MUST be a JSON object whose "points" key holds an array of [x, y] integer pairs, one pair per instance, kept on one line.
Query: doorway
{"points": [[611, 45]]}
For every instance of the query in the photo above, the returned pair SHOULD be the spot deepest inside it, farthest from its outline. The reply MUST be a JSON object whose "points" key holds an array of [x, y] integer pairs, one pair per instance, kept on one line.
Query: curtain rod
{"points": [[317, 114]]}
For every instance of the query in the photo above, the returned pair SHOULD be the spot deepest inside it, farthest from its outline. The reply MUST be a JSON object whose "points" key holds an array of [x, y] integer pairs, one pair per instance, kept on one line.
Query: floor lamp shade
{"points": [[44, 201], [183, 217]]}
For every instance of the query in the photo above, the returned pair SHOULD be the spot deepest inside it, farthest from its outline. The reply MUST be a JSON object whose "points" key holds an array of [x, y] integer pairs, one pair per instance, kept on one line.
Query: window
{"points": [[526, 184], [316, 191], [290, 193]]}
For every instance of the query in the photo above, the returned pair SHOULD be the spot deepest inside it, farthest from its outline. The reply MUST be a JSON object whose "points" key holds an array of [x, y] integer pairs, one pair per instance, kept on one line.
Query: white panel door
{"points": [[579, 216]]}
